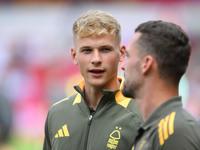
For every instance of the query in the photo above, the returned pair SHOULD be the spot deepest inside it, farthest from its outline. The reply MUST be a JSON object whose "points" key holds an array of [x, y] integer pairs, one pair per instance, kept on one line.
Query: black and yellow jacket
{"points": [[72, 125]]}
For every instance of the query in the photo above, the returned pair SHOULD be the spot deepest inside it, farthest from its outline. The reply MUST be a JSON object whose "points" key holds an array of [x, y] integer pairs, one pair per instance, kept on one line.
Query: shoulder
{"points": [[133, 108], [129, 105], [179, 122], [184, 121], [179, 130], [63, 104], [186, 125]]}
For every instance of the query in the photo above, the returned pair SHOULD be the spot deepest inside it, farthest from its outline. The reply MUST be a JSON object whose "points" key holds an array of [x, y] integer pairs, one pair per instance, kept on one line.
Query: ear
{"points": [[147, 64], [122, 52], [73, 55]]}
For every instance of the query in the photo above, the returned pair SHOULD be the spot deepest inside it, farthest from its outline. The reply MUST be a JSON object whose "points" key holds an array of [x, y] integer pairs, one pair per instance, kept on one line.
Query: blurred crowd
{"points": [[28, 86], [31, 80], [102, 1]]}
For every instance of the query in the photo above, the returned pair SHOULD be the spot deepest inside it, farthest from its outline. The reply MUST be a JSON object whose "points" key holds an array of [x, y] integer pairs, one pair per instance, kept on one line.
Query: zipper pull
{"points": [[90, 120]]}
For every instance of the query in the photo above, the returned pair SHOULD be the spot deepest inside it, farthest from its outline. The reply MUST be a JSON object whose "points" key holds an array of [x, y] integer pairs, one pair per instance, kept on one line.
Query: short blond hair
{"points": [[96, 23]]}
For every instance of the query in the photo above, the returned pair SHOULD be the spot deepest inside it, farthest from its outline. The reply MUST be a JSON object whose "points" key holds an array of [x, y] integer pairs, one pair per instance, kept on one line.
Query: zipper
{"points": [[91, 116]]}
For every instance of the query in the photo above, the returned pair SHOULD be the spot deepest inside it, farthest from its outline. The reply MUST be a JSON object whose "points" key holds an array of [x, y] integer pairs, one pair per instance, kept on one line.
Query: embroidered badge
{"points": [[114, 138]]}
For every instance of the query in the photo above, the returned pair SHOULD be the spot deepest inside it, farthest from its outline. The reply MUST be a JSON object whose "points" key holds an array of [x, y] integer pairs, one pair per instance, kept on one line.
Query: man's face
{"points": [[132, 70], [98, 58]]}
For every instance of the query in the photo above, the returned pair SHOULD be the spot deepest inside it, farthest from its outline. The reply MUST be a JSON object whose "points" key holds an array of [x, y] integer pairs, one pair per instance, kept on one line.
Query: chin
{"points": [[98, 84], [126, 93]]}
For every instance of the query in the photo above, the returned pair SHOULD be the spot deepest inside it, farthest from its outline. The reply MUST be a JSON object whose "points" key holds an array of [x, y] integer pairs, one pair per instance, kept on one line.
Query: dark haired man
{"points": [[158, 56]]}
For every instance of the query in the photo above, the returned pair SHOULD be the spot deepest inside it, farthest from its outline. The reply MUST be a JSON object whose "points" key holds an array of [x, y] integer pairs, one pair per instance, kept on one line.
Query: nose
{"points": [[96, 58]]}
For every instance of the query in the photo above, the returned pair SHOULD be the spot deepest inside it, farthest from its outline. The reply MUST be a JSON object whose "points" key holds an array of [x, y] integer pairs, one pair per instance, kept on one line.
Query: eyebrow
{"points": [[85, 47], [107, 45]]}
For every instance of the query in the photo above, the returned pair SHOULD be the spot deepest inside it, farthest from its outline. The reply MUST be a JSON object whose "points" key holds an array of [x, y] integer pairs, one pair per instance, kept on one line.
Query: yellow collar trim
{"points": [[77, 99], [81, 84], [120, 98]]}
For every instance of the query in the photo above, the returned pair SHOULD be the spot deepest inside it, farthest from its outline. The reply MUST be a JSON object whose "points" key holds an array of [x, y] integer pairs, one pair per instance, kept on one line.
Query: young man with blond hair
{"points": [[98, 116]]}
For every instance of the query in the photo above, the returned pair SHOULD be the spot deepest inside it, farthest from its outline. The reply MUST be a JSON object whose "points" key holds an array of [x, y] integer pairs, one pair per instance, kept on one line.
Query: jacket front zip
{"points": [[91, 116], [88, 128]]}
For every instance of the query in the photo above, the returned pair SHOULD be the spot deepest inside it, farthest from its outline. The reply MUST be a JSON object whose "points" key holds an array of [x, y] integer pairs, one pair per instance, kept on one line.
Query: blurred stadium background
{"points": [[36, 69]]}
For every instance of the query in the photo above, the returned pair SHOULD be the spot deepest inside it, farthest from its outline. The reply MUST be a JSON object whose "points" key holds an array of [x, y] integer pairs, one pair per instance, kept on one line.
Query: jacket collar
{"points": [[162, 111], [119, 97]]}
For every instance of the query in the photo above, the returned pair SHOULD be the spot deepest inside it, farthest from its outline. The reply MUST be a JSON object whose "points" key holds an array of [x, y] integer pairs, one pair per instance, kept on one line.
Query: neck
{"points": [[152, 98], [93, 97], [94, 94]]}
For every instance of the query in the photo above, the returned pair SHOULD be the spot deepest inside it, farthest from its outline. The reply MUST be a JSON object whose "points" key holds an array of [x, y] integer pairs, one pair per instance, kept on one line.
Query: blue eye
{"points": [[86, 50], [106, 49]]}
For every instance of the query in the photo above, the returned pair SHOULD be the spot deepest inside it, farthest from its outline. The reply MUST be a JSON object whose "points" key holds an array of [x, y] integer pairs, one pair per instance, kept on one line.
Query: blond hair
{"points": [[96, 23]]}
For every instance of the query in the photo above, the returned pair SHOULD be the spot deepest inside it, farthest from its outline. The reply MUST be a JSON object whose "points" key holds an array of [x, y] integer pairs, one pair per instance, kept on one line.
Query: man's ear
{"points": [[147, 64], [122, 52], [73, 55]]}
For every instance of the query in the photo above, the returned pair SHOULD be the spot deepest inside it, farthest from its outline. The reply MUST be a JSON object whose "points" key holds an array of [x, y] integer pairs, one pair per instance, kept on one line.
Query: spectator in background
{"points": [[98, 116], [158, 56], [5, 119], [5, 106]]}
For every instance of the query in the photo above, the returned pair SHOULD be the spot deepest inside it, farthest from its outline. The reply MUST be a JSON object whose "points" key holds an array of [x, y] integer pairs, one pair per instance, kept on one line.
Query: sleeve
{"points": [[47, 143]]}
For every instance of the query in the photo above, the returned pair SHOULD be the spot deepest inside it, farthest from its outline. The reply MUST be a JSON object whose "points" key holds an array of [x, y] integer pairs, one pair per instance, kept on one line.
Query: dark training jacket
{"points": [[72, 125], [169, 127]]}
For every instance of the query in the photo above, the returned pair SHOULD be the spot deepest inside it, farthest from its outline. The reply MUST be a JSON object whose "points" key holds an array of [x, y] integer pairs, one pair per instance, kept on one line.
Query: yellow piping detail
{"points": [[77, 99], [160, 131], [60, 101], [125, 102], [171, 123], [165, 128]]}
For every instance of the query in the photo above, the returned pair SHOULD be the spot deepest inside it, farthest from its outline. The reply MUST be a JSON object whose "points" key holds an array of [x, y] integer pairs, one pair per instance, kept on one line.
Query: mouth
{"points": [[97, 72]]}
